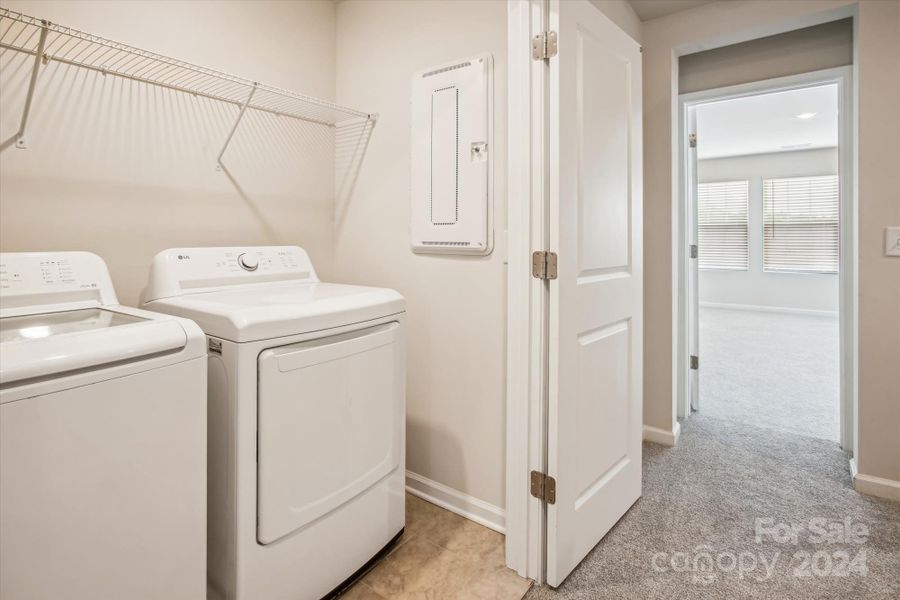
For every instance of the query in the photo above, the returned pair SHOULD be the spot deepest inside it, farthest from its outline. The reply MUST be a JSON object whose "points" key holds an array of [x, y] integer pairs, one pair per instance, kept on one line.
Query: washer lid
{"points": [[48, 344], [261, 312]]}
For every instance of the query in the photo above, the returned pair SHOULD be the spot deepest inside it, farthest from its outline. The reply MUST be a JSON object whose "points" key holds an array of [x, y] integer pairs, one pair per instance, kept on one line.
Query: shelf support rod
{"points": [[234, 127], [38, 56]]}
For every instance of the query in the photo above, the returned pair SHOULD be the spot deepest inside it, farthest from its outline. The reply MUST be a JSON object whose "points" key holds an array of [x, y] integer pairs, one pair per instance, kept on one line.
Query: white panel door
{"points": [[595, 412]]}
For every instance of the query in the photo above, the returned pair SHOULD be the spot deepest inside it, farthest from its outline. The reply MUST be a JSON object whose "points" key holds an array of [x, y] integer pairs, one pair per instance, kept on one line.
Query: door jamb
{"points": [[843, 77], [527, 188]]}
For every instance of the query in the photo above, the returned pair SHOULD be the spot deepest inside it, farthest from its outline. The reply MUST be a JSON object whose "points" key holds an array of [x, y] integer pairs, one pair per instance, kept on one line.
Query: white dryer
{"points": [[102, 439], [307, 404]]}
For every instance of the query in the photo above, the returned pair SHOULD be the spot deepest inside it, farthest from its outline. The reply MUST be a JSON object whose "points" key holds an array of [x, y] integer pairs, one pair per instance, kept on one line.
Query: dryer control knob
{"points": [[247, 262]]}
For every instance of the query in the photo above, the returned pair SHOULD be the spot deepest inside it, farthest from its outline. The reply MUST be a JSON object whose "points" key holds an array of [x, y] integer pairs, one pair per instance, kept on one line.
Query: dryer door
{"points": [[329, 425]]}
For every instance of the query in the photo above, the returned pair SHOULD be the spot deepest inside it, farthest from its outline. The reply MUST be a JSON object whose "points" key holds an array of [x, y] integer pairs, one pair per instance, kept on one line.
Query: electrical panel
{"points": [[451, 158]]}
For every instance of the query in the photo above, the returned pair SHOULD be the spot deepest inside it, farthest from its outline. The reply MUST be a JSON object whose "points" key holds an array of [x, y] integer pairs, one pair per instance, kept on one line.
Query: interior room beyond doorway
{"points": [[768, 230]]}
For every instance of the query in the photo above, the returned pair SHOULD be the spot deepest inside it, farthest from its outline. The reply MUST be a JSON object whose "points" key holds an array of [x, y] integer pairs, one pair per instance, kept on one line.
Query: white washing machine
{"points": [[306, 425], [102, 439]]}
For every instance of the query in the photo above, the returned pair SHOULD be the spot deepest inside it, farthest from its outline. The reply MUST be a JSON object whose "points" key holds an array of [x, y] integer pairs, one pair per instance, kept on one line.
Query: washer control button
{"points": [[248, 262]]}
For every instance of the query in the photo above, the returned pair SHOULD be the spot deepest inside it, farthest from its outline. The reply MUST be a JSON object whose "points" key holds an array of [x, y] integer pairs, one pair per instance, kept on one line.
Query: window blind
{"points": [[722, 225], [802, 226]]}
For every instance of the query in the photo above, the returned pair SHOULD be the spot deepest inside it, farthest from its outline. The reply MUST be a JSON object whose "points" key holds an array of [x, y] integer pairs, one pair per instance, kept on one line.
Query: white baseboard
{"points": [[483, 513], [874, 486], [775, 309], [662, 436]]}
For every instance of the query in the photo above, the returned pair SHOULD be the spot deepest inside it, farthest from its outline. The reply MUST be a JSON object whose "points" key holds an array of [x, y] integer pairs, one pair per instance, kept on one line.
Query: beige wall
{"points": [[878, 36], [457, 304], [125, 170], [723, 23], [801, 51]]}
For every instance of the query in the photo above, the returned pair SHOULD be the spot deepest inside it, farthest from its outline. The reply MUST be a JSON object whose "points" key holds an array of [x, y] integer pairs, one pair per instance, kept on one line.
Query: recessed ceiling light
{"points": [[806, 115]]}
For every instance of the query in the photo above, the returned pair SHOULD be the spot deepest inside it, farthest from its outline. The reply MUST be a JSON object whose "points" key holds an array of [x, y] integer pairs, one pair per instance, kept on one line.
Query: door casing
{"points": [[526, 351], [843, 78]]}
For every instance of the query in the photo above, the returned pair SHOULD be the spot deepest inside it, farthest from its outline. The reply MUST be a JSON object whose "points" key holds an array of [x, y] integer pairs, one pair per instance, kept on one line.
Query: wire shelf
{"points": [[49, 42]]}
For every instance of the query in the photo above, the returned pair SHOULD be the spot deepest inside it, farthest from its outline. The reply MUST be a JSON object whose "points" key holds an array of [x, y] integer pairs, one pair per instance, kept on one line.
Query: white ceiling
{"points": [[768, 123], [650, 9]]}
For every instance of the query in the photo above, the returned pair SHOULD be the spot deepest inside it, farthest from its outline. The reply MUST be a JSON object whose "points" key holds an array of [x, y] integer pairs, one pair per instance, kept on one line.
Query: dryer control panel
{"points": [[36, 281], [180, 271]]}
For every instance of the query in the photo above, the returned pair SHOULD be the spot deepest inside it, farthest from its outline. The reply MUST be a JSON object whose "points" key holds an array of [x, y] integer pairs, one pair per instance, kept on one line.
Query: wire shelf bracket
{"points": [[234, 127], [49, 42], [32, 81]]}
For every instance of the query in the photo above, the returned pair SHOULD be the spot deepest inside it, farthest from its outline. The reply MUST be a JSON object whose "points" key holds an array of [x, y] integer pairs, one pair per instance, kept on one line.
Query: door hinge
{"points": [[695, 251], [695, 362], [544, 45], [543, 487], [543, 265], [692, 140]]}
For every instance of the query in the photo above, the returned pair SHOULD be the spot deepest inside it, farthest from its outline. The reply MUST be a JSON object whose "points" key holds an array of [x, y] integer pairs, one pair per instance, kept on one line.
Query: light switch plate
{"points": [[892, 241]]}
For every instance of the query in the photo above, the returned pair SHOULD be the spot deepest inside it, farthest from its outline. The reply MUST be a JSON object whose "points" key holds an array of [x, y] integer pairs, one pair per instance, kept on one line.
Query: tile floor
{"points": [[441, 556]]}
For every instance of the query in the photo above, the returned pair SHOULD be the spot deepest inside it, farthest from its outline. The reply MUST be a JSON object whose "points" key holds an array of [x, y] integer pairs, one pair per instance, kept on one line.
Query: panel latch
{"points": [[543, 487], [695, 362], [543, 265]]}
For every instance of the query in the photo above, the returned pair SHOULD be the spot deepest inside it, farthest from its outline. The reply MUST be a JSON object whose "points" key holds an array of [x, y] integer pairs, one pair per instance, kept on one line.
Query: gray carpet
{"points": [[705, 494], [771, 370]]}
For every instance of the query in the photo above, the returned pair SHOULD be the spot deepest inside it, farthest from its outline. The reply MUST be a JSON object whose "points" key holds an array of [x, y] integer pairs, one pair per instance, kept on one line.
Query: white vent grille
{"points": [[461, 65]]}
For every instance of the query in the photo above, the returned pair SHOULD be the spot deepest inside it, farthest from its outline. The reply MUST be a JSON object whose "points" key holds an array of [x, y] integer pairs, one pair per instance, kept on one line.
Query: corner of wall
{"points": [[666, 437], [622, 14]]}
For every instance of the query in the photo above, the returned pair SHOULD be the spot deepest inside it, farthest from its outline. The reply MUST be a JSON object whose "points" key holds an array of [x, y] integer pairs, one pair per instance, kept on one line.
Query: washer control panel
{"points": [[186, 270], [44, 278]]}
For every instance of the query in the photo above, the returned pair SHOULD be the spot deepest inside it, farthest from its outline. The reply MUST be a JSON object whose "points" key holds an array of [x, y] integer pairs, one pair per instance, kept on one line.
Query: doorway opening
{"points": [[767, 273]]}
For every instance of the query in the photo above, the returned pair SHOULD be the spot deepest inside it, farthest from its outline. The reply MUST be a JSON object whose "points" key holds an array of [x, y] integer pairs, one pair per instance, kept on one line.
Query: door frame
{"points": [[847, 307], [527, 297], [528, 231]]}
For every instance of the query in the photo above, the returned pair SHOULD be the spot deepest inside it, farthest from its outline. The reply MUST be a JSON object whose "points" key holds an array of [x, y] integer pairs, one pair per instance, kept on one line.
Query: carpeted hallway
{"points": [[700, 505]]}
